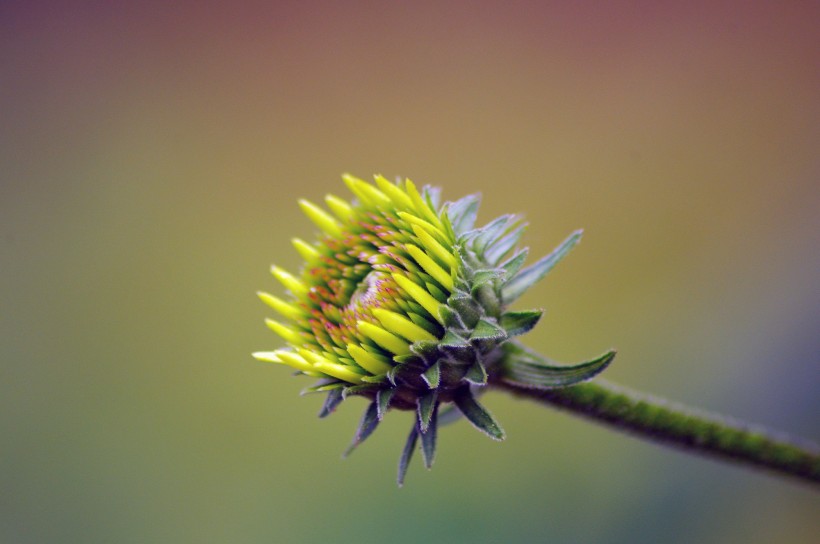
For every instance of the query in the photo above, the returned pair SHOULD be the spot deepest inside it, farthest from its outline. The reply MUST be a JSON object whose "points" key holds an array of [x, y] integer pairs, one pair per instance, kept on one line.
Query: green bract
{"points": [[403, 301]]}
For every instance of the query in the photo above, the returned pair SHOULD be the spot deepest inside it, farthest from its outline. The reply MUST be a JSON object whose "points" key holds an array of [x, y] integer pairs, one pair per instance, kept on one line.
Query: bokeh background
{"points": [[151, 154]]}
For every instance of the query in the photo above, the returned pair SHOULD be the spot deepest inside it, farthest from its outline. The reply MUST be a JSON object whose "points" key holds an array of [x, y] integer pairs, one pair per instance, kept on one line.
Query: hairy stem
{"points": [[673, 424]]}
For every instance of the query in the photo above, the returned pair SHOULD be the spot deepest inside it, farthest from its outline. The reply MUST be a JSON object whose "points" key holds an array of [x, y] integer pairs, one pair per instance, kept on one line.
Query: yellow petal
{"points": [[295, 361], [420, 205], [307, 251], [429, 265], [367, 193], [420, 295], [402, 326], [368, 361], [339, 371], [287, 334], [436, 249], [290, 282], [321, 218], [283, 308], [387, 340], [399, 197], [340, 207], [415, 220], [266, 357]]}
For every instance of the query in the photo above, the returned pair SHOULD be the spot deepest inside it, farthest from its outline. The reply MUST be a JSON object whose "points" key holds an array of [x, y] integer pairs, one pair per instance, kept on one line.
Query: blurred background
{"points": [[151, 155]]}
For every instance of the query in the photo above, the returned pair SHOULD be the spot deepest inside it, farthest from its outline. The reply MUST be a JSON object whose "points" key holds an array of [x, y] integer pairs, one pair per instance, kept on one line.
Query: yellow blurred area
{"points": [[151, 157]]}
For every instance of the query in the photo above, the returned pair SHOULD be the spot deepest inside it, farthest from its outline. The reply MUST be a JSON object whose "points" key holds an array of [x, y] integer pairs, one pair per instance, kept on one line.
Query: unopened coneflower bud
{"points": [[403, 301]]}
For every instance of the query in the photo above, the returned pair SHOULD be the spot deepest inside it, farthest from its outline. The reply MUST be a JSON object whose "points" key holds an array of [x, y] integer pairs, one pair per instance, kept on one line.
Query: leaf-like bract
{"points": [[517, 323], [478, 415], [529, 276], [533, 373]]}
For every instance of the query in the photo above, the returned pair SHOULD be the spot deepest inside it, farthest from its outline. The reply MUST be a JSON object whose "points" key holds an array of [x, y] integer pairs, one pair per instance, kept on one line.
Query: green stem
{"points": [[676, 425]]}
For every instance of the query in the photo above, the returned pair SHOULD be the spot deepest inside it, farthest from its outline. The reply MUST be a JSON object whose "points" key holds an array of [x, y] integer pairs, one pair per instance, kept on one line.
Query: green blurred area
{"points": [[150, 162]]}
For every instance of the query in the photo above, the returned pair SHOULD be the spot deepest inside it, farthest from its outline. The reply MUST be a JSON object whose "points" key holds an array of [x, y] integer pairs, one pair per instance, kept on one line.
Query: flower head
{"points": [[403, 301]]}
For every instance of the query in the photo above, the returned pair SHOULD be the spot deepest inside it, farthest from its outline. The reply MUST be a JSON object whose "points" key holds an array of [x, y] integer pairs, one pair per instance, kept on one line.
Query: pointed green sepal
{"points": [[334, 398], [407, 454], [476, 374], [487, 335], [536, 374], [432, 376], [360, 389], [392, 373], [406, 362], [428, 351], [517, 323], [477, 415], [487, 296], [525, 279], [426, 407], [463, 213], [466, 307], [453, 340], [487, 330], [485, 276], [496, 251], [406, 372], [374, 379], [428, 439], [450, 318], [512, 265], [367, 425], [383, 398], [455, 345], [432, 195], [322, 388], [492, 232]]}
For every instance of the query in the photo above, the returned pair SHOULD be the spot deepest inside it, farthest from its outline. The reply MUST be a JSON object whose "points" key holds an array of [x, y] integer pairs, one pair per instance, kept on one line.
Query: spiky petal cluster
{"points": [[401, 300]]}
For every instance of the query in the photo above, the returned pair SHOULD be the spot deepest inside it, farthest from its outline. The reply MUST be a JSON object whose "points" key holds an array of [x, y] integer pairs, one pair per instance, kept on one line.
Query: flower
{"points": [[401, 300]]}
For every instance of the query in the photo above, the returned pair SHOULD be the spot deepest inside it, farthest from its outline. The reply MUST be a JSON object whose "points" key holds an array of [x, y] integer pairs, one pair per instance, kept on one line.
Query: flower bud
{"points": [[403, 301]]}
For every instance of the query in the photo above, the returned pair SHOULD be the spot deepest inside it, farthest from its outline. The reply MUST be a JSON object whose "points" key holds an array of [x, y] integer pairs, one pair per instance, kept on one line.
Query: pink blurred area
{"points": [[151, 155]]}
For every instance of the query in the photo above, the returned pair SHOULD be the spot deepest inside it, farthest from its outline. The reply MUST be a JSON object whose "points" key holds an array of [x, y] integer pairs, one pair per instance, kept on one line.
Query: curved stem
{"points": [[673, 424]]}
